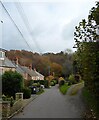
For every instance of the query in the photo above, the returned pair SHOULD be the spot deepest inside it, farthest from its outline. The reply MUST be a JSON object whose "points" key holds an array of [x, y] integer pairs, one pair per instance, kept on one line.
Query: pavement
{"points": [[24, 104], [52, 104], [27, 101]]}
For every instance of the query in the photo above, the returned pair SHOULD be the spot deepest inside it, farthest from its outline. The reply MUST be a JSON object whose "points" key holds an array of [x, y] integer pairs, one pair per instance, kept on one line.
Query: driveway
{"points": [[52, 104]]}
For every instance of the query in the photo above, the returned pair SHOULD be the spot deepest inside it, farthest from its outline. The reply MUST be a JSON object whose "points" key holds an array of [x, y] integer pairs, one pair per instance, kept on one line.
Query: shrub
{"points": [[72, 79], [91, 101], [46, 83], [52, 83], [42, 82], [62, 82], [55, 82], [31, 82], [36, 84], [26, 93], [61, 78], [63, 88], [12, 82]]}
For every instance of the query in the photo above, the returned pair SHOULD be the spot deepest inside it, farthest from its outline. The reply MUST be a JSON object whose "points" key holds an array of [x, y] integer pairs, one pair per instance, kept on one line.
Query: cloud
{"points": [[52, 24]]}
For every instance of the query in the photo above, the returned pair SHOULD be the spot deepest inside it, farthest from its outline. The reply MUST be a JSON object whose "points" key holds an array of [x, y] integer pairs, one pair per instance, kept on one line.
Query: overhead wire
{"points": [[16, 26], [26, 22]]}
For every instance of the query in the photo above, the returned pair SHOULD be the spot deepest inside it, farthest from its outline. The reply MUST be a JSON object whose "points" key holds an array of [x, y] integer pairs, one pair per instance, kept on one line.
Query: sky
{"points": [[42, 25]]}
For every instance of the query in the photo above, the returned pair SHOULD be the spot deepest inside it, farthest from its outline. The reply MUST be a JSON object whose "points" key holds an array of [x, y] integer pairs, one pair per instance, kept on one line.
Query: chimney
{"points": [[16, 61], [34, 69], [30, 66]]}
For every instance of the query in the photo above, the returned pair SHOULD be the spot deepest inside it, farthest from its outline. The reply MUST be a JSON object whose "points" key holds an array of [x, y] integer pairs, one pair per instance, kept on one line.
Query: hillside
{"points": [[59, 64]]}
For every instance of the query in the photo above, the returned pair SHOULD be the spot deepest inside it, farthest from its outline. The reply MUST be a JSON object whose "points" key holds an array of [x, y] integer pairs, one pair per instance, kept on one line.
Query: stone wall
{"points": [[6, 108]]}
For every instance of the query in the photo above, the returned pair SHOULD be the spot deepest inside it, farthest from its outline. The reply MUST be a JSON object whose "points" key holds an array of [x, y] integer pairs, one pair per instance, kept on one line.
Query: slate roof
{"points": [[39, 74], [6, 63], [3, 50], [18, 68], [30, 72]]}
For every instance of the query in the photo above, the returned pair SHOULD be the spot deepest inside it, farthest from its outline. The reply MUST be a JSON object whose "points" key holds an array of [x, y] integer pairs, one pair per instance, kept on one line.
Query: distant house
{"points": [[31, 74], [40, 76], [5, 63], [27, 72]]}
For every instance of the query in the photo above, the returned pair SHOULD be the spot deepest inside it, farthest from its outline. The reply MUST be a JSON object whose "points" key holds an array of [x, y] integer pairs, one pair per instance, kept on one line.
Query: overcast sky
{"points": [[51, 24]]}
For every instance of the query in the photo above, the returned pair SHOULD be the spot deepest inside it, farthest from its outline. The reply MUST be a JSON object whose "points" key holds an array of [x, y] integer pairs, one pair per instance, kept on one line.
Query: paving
{"points": [[52, 104]]}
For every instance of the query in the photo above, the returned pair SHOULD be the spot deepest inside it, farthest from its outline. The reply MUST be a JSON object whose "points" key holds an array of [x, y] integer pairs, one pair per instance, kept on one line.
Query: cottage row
{"points": [[27, 72]]}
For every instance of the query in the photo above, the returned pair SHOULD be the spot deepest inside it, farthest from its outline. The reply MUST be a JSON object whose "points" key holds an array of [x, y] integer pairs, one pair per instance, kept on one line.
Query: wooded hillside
{"points": [[59, 64]]}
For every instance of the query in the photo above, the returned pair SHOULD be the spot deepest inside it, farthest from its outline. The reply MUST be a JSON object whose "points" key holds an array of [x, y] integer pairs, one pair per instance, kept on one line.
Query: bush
{"points": [[42, 82], [63, 88], [31, 82], [55, 82], [26, 93], [41, 90], [62, 82], [91, 101], [36, 84], [46, 83], [12, 82], [72, 79], [52, 83]]}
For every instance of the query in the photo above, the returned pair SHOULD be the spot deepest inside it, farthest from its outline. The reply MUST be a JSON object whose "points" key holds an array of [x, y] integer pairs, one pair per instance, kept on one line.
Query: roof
{"points": [[19, 69], [39, 74], [6, 63], [30, 72], [3, 50]]}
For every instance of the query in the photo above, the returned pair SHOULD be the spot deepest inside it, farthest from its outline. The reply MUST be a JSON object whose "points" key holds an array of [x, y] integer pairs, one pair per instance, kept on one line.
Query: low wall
{"points": [[7, 110]]}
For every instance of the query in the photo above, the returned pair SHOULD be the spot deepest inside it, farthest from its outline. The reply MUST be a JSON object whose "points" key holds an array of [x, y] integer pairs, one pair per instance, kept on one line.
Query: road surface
{"points": [[52, 104]]}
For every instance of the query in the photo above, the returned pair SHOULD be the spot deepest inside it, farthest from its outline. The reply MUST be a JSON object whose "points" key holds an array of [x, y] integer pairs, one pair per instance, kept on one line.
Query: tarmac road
{"points": [[52, 104]]}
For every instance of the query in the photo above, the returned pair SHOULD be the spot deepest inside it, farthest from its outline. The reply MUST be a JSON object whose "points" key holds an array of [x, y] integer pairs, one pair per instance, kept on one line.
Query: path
{"points": [[52, 104]]}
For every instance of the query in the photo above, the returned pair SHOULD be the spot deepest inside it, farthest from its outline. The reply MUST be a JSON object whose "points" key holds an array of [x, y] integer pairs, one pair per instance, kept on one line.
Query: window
{"points": [[2, 54]]}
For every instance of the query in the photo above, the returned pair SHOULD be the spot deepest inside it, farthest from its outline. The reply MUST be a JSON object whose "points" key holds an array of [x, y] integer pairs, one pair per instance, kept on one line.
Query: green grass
{"points": [[63, 89], [91, 102], [76, 88], [40, 92]]}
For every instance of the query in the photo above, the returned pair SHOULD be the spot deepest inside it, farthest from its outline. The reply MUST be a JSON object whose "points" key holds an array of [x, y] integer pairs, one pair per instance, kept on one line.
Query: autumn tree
{"points": [[44, 63], [56, 69]]}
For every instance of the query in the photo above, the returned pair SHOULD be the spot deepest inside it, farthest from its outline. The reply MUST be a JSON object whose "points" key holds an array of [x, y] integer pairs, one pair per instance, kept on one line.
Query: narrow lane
{"points": [[52, 104]]}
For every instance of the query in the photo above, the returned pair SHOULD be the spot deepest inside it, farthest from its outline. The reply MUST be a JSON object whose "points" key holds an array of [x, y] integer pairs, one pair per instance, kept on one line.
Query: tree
{"points": [[87, 30], [56, 69], [87, 55], [12, 82]]}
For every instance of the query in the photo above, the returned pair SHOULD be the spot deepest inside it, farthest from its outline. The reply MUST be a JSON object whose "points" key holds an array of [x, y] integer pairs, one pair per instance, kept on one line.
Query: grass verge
{"points": [[40, 92], [77, 88], [63, 89], [92, 103]]}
